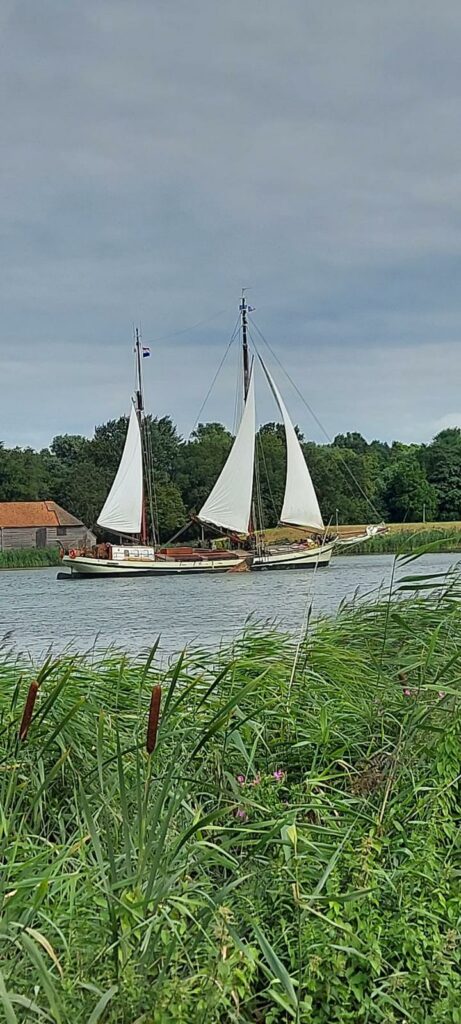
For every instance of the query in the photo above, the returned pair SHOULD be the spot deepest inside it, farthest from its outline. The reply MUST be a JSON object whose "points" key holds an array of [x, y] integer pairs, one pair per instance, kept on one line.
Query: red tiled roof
{"points": [[35, 513]]}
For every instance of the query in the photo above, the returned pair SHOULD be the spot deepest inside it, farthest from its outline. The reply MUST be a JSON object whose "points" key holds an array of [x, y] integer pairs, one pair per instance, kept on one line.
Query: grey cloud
{"points": [[156, 156]]}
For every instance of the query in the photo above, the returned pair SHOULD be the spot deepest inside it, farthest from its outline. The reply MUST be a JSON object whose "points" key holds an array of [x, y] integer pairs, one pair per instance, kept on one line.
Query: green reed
{"points": [[289, 851], [29, 558]]}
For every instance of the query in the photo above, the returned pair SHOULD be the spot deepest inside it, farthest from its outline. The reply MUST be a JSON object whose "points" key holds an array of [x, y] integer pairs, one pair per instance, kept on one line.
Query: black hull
{"points": [[136, 574]]}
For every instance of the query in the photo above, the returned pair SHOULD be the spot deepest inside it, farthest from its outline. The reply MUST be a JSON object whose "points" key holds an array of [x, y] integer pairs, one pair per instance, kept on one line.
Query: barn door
{"points": [[40, 537]]}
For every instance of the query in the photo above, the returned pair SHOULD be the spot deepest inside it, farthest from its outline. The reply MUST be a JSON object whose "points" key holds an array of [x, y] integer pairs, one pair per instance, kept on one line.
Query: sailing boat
{"points": [[124, 511], [229, 508], [230, 503]]}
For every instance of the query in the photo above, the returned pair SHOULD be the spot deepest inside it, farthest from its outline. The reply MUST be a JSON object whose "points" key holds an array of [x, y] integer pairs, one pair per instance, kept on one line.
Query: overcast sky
{"points": [[157, 155]]}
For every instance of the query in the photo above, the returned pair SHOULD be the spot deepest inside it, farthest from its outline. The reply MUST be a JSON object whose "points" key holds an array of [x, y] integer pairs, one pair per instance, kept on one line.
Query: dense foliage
{"points": [[288, 852], [356, 481]]}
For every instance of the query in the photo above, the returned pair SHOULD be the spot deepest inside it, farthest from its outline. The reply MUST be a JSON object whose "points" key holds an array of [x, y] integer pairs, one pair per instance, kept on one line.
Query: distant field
{"points": [[280, 533], [409, 527]]}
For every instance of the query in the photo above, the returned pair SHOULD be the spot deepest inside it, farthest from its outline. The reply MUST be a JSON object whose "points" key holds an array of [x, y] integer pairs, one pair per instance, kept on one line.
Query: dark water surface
{"points": [[39, 612]]}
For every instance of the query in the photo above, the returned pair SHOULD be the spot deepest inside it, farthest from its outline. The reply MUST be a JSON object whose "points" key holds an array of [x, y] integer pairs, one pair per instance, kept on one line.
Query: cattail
{"points": [[28, 710], [154, 715]]}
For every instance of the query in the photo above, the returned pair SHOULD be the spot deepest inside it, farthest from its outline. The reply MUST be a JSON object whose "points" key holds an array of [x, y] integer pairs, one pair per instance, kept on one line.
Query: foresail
{"points": [[229, 504], [300, 505], [122, 511]]}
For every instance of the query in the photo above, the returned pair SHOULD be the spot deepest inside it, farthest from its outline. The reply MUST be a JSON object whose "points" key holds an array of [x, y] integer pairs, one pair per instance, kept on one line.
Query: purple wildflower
{"points": [[407, 692], [240, 813], [279, 775], [241, 780]]}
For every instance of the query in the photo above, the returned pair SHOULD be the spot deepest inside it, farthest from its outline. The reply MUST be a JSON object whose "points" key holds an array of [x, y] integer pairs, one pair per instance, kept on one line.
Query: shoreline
{"points": [[400, 539], [23, 568]]}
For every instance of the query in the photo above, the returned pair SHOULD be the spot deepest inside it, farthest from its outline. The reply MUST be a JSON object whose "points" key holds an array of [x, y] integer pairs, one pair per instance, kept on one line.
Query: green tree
{"points": [[406, 491], [24, 475], [200, 462], [271, 467], [345, 481], [442, 459], [107, 445], [82, 490], [349, 475], [170, 512], [352, 440], [70, 449], [382, 450], [165, 445]]}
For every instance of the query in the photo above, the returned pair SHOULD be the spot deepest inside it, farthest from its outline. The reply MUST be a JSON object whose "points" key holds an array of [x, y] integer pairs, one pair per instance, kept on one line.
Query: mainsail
{"points": [[300, 505], [229, 504], [122, 511]]}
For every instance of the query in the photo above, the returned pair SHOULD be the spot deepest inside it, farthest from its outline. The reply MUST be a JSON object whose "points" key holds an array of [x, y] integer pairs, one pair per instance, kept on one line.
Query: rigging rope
{"points": [[218, 371], [185, 330], [262, 455], [314, 417]]}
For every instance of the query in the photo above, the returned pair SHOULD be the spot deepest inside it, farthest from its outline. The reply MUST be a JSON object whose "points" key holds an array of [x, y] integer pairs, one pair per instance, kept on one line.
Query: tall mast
{"points": [[246, 357], [246, 385], [139, 387], [140, 415]]}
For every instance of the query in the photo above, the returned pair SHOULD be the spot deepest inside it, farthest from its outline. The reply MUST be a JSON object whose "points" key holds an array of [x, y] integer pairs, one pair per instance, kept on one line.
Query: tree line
{"points": [[356, 480]]}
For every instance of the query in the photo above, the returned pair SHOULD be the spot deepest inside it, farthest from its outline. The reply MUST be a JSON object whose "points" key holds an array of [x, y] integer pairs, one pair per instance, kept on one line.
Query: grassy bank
{"points": [[289, 851], [401, 537], [407, 541], [29, 558]]}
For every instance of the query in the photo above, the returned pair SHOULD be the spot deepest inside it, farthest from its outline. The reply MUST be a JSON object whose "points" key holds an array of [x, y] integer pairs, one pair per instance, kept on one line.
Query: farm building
{"points": [[40, 524]]}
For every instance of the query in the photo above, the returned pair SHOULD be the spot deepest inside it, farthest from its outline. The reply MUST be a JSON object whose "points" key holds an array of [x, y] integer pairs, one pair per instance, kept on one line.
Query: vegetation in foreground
{"points": [[29, 558], [288, 851]]}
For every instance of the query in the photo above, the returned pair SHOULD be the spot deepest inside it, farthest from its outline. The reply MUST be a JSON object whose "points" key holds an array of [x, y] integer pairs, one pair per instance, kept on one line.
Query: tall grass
{"points": [[29, 558], [289, 851]]}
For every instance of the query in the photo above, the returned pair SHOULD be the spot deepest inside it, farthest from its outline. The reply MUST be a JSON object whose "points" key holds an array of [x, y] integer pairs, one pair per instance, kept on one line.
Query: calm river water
{"points": [[38, 612]]}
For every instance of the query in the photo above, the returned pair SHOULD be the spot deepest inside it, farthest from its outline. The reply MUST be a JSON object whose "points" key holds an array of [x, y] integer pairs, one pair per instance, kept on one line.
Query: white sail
{"points": [[229, 504], [300, 505], [122, 511]]}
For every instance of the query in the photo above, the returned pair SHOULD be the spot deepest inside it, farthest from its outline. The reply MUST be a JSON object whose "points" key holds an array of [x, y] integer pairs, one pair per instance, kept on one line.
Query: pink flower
{"points": [[407, 692], [240, 813], [279, 775], [241, 780]]}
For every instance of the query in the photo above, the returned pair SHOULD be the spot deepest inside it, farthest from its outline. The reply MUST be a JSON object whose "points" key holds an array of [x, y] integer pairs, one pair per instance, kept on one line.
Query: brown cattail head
{"points": [[28, 710], [154, 715]]}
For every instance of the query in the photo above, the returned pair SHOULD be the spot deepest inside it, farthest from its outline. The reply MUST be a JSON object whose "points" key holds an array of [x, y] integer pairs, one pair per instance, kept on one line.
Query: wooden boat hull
{"points": [[294, 557], [102, 567]]}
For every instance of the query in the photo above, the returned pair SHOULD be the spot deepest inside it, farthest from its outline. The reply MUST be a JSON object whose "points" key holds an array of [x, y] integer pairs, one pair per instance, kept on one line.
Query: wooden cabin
{"points": [[40, 524]]}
